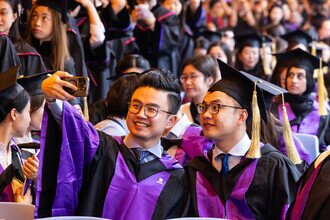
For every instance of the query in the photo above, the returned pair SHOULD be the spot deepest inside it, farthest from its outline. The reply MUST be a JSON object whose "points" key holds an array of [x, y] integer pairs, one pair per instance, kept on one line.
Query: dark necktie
{"points": [[140, 154], [224, 164]]}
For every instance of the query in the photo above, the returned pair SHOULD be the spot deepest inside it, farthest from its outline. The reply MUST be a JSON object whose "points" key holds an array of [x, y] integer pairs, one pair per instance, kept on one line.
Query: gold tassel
{"points": [[254, 151], [86, 112], [268, 71], [321, 91], [291, 149], [313, 52]]}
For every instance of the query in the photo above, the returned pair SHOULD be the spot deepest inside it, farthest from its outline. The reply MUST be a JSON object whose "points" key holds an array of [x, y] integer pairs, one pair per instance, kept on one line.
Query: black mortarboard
{"points": [[32, 83], [9, 89], [212, 36], [251, 40], [317, 1], [297, 37], [58, 5], [269, 90], [300, 58], [239, 86]]}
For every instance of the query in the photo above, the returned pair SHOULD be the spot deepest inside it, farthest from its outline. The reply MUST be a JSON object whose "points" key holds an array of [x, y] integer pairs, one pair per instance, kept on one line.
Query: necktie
{"points": [[224, 164], [140, 154]]}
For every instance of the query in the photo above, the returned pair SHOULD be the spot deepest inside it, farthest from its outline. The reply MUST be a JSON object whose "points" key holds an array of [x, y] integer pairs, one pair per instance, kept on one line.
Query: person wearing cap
{"points": [[14, 121], [248, 57], [274, 132], [198, 74], [297, 39], [237, 179], [306, 114], [30, 60], [89, 173], [47, 33]]}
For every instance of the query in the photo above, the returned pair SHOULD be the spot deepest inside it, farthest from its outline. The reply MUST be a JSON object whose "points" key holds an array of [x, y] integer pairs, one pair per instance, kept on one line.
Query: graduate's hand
{"points": [[52, 87], [141, 12], [30, 168], [26, 199]]}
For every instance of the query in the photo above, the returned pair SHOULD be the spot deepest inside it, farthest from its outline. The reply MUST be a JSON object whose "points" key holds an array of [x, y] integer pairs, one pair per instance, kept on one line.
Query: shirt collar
{"points": [[156, 149], [238, 150], [180, 127], [123, 123]]}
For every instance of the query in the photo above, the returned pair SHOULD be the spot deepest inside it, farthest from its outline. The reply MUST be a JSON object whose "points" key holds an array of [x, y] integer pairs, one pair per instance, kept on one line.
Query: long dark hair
{"points": [[14, 33]]}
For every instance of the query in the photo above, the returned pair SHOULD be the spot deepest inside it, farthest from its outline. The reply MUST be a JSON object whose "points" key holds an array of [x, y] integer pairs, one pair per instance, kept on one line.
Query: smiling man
{"points": [[85, 172], [232, 180]]}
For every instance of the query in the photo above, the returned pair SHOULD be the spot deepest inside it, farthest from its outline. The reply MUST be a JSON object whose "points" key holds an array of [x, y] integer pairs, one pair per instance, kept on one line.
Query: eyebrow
{"points": [[137, 100]]}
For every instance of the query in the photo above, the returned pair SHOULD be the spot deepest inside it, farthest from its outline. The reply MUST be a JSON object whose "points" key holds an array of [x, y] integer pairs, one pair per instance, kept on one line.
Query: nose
{"points": [[206, 114], [141, 113], [295, 79]]}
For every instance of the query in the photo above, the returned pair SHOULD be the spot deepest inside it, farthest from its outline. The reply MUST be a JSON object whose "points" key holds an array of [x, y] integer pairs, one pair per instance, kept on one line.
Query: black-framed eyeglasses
{"points": [[213, 108], [150, 110]]}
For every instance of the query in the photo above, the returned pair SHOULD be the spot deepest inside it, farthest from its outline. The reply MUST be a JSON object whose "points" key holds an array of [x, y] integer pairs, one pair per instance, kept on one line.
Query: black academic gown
{"points": [[8, 55], [160, 46], [85, 172], [269, 193], [30, 59], [317, 197]]}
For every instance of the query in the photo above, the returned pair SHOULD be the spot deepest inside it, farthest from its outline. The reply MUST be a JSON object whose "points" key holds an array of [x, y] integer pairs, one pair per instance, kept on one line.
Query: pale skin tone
{"points": [[144, 13], [145, 131], [249, 57], [227, 127], [195, 86], [42, 24], [7, 17]]}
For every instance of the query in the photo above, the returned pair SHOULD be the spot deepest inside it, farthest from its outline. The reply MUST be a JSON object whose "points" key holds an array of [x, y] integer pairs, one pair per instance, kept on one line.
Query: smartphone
{"points": [[81, 82]]}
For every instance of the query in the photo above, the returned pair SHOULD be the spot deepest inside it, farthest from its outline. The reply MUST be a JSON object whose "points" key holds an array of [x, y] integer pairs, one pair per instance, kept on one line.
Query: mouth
{"points": [[207, 125], [141, 124]]}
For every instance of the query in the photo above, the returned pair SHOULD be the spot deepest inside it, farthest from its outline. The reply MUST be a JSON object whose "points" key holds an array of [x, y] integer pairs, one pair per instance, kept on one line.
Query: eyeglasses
{"points": [[150, 110], [184, 78], [213, 108]]}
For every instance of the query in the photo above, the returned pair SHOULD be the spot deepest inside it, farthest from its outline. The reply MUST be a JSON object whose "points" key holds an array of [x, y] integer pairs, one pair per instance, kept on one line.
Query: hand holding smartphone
{"points": [[81, 82]]}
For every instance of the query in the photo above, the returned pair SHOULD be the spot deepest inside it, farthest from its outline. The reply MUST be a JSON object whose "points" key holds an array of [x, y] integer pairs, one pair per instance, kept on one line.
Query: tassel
{"points": [[313, 52], [86, 112], [266, 66], [321, 91], [291, 149], [254, 151]]}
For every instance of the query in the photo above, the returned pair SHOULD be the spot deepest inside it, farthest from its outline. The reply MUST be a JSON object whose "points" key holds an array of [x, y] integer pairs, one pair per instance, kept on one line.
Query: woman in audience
{"points": [[198, 74]]}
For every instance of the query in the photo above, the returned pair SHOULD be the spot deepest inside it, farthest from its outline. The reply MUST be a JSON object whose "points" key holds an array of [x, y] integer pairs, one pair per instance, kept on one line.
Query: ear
{"points": [[209, 81], [15, 16], [243, 115], [171, 120], [13, 114]]}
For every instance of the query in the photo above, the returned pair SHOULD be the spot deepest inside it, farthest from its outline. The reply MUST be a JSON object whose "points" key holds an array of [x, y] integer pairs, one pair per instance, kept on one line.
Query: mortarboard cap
{"points": [[239, 86], [212, 36], [251, 40], [58, 5], [32, 83], [297, 37]]}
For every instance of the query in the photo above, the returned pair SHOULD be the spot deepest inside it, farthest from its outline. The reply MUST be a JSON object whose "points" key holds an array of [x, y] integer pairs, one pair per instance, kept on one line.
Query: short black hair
{"points": [[205, 64], [119, 95], [9, 100], [164, 80], [132, 60]]}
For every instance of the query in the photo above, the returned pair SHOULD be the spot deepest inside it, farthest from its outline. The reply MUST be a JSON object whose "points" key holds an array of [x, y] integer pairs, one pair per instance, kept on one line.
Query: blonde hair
{"points": [[60, 46]]}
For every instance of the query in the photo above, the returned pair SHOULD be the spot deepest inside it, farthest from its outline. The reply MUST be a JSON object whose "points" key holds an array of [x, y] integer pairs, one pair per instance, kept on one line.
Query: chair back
{"points": [[310, 143], [14, 211]]}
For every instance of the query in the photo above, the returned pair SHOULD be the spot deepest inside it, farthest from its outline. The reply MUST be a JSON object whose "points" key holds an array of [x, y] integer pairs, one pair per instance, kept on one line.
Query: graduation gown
{"points": [[312, 123], [254, 189], [8, 55], [14, 170], [160, 46], [313, 194], [85, 172], [192, 144], [30, 59]]}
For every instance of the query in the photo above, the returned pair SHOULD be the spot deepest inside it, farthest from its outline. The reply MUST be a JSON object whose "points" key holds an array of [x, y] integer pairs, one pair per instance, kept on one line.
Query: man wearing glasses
{"points": [[232, 180], [85, 172]]}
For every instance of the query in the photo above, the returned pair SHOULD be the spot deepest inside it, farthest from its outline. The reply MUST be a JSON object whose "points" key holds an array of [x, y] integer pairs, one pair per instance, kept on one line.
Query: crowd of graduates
{"points": [[194, 108]]}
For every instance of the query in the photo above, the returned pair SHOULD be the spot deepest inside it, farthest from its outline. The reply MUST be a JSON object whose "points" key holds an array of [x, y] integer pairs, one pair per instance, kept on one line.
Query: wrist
{"points": [[50, 100]]}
